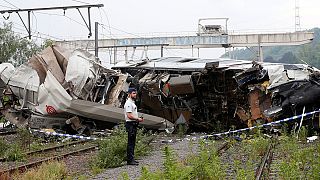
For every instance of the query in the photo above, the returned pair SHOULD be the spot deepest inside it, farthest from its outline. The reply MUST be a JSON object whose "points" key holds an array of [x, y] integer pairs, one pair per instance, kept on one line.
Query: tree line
{"points": [[16, 49]]}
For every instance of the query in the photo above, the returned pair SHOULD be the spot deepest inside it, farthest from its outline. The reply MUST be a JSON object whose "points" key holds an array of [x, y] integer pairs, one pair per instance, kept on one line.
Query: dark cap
{"points": [[130, 90]]}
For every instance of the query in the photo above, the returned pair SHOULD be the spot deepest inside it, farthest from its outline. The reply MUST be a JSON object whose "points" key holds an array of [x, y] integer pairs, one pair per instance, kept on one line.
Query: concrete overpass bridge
{"points": [[190, 42]]}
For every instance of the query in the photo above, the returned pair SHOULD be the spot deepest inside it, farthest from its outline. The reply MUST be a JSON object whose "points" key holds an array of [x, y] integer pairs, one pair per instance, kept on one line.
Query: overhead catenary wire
{"points": [[37, 33], [104, 12], [36, 23], [60, 15], [11, 4], [107, 17], [6, 6], [80, 1]]}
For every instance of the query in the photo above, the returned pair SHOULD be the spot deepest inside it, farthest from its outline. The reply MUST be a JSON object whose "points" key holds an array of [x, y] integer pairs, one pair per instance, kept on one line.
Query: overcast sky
{"points": [[139, 17]]}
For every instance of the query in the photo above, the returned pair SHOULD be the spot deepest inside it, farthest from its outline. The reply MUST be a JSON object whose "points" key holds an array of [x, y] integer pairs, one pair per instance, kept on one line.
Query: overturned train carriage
{"points": [[218, 94]]}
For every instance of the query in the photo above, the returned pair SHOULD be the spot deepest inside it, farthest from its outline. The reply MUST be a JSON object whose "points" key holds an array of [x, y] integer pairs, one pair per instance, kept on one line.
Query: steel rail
{"points": [[24, 167], [47, 149], [7, 133], [266, 161], [223, 147]]}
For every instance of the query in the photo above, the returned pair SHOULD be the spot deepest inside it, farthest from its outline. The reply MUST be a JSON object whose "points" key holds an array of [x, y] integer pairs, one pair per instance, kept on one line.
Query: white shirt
{"points": [[130, 107]]}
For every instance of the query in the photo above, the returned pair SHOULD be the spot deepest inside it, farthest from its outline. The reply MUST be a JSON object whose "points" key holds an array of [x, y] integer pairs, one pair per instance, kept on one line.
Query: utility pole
{"points": [[96, 50], [64, 8]]}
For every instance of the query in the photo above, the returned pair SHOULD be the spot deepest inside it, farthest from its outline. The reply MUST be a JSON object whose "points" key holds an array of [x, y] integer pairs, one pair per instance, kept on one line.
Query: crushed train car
{"points": [[218, 94], [58, 88]]}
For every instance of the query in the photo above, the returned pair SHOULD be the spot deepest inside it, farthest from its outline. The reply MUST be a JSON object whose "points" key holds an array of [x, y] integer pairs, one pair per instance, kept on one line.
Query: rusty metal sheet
{"points": [[254, 104], [37, 64], [113, 96], [112, 114], [242, 114], [181, 85], [52, 64], [62, 56]]}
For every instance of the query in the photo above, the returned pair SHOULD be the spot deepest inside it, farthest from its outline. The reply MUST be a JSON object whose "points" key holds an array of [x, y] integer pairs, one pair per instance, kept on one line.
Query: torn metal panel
{"points": [[30, 79], [37, 64], [52, 97], [254, 104], [181, 85], [6, 71], [112, 114], [62, 56], [48, 61], [40, 121], [81, 73], [243, 115], [282, 73], [116, 94], [24, 88]]}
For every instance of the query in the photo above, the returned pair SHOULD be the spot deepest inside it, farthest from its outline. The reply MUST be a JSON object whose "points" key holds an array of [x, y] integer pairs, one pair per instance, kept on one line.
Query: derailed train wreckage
{"points": [[59, 87], [217, 94], [63, 89]]}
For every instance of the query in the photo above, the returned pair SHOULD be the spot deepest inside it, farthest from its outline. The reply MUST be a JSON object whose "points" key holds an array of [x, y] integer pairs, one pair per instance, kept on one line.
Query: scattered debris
{"points": [[312, 138]]}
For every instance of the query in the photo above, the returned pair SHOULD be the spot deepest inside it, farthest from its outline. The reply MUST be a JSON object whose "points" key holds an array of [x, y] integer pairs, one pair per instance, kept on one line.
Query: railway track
{"points": [[225, 146], [33, 162], [5, 133], [30, 153], [264, 169]]}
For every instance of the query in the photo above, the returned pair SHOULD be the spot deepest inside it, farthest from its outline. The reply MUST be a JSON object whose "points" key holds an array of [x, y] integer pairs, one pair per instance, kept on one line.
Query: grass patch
{"points": [[3, 147], [2, 119], [299, 161], [14, 153], [206, 165], [50, 171]]}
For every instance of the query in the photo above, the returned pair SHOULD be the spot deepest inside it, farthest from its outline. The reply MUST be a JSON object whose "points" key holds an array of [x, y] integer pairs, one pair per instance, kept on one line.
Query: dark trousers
{"points": [[131, 128]]}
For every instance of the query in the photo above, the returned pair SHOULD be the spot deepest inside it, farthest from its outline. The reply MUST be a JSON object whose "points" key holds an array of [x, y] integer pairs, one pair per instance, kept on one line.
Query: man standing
{"points": [[132, 122]]}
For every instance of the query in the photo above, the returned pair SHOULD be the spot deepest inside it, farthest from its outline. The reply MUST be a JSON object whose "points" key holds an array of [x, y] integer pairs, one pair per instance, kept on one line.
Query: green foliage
{"points": [[173, 169], [13, 48], [244, 171], [47, 43], [95, 168], [125, 176], [14, 153], [2, 119], [113, 151], [24, 137], [297, 162], [258, 146], [36, 146], [303, 133], [82, 177], [251, 152], [181, 130], [147, 175], [205, 165]]}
